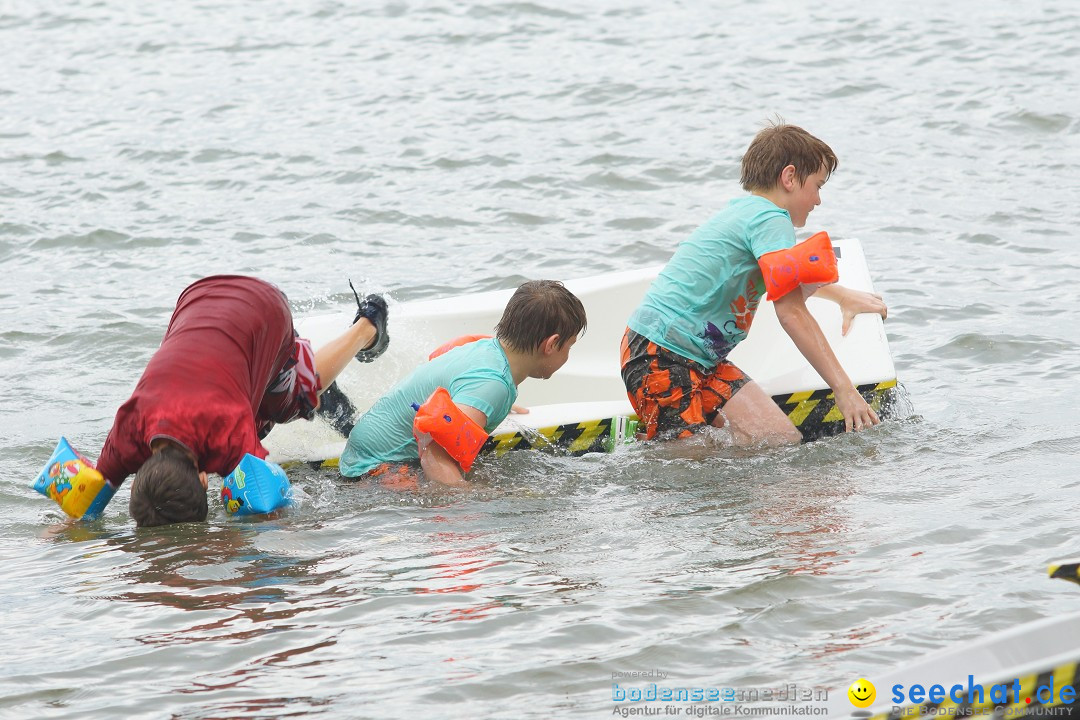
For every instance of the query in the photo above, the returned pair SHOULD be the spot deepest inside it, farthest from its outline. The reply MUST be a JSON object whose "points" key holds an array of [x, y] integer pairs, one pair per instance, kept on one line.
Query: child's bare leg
{"points": [[334, 356], [753, 418]]}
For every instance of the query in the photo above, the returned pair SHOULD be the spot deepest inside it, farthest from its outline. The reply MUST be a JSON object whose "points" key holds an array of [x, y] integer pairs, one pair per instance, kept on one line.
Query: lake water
{"points": [[430, 148]]}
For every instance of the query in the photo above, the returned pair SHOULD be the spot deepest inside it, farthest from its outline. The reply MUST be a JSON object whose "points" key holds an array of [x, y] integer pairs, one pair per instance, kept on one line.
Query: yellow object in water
{"points": [[73, 482], [1066, 570]]}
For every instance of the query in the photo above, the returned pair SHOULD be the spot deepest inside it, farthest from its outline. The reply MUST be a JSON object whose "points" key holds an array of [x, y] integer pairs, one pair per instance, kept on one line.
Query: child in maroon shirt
{"points": [[229, 368]]}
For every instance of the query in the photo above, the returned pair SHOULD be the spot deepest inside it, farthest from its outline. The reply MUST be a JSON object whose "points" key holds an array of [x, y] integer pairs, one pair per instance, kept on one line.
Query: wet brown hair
{"points": [[167, 490], [778, 146], [538, 310]]}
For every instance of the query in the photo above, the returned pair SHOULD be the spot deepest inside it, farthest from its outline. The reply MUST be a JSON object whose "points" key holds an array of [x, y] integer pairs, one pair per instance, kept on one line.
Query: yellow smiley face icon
{"points": [[862, 693]]}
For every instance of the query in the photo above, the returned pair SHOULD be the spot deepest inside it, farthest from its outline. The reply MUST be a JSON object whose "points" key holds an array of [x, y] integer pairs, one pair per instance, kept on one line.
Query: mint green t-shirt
{"points": [[703, 301], [475, 374]]}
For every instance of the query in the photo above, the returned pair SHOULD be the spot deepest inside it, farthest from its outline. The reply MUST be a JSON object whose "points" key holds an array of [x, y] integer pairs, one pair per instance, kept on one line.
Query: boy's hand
{"points": [[857, 414], [856, 302]]}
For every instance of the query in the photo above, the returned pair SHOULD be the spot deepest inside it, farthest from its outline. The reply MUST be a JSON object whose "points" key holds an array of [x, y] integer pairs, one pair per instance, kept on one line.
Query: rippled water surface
{"points": [[429, 148]]}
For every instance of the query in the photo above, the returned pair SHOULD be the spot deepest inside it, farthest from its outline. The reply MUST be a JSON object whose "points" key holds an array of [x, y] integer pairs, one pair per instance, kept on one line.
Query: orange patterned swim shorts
{"points": [[674, 395], [394, 476]]}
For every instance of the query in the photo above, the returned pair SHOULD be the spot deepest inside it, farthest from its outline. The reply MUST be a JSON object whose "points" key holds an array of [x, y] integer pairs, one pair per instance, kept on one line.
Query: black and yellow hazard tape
{"points": [[814, 413], [1066, 570], [1036, 694], [313, 464], [576, 439]]}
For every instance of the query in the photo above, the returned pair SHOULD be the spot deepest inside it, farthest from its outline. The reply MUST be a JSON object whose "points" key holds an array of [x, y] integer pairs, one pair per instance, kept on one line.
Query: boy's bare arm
{"points": [[853, 302], [440, 467], [437, 463], [805, 332]]}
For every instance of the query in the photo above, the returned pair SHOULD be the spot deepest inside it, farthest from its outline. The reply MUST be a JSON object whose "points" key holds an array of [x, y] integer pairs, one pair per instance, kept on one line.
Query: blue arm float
{"points": [[71, 480], [255, 487]]}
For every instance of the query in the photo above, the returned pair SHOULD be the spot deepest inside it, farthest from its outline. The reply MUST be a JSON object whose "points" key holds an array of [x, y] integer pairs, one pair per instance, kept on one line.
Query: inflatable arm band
{"points": [[255, 487], [810, 262], [456, 342], [454, 431], [71, 480]]}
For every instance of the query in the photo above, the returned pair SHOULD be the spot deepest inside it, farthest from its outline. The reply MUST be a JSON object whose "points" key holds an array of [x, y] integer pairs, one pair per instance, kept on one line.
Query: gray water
{"points": [[426, 149]]}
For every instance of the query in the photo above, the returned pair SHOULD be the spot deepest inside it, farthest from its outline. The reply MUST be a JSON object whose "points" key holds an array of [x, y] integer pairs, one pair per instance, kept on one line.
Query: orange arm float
{"points": [[810, 262], [456, 342], [454, 431]]}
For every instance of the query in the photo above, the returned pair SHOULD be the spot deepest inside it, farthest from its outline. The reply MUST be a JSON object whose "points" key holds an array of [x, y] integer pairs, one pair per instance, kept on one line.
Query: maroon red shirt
{"points": [[206, 387]]}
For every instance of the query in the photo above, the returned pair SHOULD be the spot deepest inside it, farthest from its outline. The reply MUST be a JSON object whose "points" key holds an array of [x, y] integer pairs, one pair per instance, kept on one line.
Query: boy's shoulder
{"points": [[744, 229], [749, 206], [740, 217], [480, 357]]}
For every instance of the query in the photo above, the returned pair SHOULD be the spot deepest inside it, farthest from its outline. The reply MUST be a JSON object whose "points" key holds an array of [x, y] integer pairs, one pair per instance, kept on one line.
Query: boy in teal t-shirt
{"points": [[539, 325], [476, 374], [674, 352]]}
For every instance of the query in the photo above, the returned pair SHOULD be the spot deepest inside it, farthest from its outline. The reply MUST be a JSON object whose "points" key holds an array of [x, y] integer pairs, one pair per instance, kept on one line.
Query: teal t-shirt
{"points": [[475, 374], [703, 301]]}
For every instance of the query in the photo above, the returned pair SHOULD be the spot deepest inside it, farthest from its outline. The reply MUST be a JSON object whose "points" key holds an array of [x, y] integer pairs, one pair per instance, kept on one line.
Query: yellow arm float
{"points": [[72, 481]]}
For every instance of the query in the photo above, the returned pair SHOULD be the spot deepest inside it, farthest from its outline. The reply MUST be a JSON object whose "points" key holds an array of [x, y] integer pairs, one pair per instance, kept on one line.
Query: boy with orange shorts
{"points": [[674, 352]]}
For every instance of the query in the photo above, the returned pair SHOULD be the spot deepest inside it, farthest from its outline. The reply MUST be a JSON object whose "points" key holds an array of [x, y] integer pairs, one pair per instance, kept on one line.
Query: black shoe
{"points": [[337, 409], [373, 307]]}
